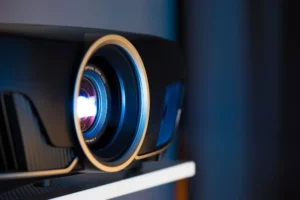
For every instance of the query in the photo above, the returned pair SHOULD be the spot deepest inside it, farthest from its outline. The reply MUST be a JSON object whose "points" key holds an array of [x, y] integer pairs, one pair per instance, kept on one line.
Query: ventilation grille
{"points": [[23, 139], [39, 155], [8, 157]]}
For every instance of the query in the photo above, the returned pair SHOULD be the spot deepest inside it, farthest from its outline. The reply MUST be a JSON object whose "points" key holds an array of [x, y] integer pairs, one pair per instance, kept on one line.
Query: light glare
{"points": [[86, 107]]}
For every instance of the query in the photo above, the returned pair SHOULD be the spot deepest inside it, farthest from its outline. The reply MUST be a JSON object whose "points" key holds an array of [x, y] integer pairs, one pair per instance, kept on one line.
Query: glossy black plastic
{"points": [[41, 63]]}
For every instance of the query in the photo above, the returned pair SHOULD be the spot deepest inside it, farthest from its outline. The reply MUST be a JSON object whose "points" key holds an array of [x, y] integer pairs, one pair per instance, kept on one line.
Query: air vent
{"points": [[8, 156], [23, 139], [39, 154]]}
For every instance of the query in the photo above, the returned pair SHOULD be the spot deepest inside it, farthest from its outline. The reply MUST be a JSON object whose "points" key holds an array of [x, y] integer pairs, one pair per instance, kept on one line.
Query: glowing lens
{"points": [[87, 104], [86, 107]]}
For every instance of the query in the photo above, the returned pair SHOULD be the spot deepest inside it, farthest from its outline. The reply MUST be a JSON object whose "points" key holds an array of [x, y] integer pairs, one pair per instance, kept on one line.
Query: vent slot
{"points": [[3, 162], [23, 145], [38, 155], [8, 154]]}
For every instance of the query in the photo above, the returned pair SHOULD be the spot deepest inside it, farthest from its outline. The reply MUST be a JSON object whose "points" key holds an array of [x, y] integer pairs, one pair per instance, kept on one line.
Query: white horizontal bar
{"points": [[135, 184]]}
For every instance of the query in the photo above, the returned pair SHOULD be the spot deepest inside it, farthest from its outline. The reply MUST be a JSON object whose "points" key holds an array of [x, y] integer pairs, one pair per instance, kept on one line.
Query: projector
{"points": [[84, 100]]}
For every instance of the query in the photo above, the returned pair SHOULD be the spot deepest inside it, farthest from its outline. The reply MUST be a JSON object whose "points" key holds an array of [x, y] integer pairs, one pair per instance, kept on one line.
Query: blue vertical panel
{"points": [[171, 107], [216, 42]]}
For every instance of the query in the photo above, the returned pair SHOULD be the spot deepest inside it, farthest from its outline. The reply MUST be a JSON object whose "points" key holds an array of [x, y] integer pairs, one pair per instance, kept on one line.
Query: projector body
{"points": [[39, 72]]}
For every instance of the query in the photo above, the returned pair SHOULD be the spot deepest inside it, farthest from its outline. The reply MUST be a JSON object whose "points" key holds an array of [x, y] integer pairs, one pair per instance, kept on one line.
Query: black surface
{"points": [[169, 69], [44, 71], [289, 166], [7, 143]]}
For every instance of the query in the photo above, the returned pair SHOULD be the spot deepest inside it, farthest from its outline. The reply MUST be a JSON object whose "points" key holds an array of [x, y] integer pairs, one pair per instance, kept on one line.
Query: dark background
{"points": [[243, 114], [242, 111]]}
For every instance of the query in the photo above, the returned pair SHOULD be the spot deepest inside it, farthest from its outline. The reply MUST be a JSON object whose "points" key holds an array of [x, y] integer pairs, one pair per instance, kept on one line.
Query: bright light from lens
{"points": [[86, 107]]}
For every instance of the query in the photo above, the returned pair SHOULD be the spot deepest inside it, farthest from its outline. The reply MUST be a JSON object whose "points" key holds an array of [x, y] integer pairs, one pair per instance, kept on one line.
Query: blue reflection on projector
{"points": [[86, 107], [173, 100]]}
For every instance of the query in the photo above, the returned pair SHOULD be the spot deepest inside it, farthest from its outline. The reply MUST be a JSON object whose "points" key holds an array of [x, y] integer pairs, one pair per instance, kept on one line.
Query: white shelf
{"points": [[100, 185], [151, 177]]}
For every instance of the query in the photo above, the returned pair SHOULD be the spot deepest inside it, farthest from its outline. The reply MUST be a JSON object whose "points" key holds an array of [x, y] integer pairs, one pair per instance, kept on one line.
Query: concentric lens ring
{"points": [[144, 99], [93, 104], [87, 104]]}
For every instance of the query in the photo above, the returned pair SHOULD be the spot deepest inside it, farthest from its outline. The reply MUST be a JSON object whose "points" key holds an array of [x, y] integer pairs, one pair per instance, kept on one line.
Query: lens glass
{"points": [[87, 104]]}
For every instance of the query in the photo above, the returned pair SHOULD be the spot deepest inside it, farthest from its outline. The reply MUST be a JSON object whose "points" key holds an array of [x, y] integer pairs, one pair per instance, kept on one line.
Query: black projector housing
{"points": [[40, 72]]}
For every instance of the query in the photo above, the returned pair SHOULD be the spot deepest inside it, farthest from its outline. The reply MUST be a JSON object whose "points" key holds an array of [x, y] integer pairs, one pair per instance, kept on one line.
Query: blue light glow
{"points": [[86, 107]]}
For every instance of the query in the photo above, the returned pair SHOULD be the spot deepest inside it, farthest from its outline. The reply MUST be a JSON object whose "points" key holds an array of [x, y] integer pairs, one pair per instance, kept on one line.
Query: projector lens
{"points": [[112, 103], [93, 104], [87, 104]]}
